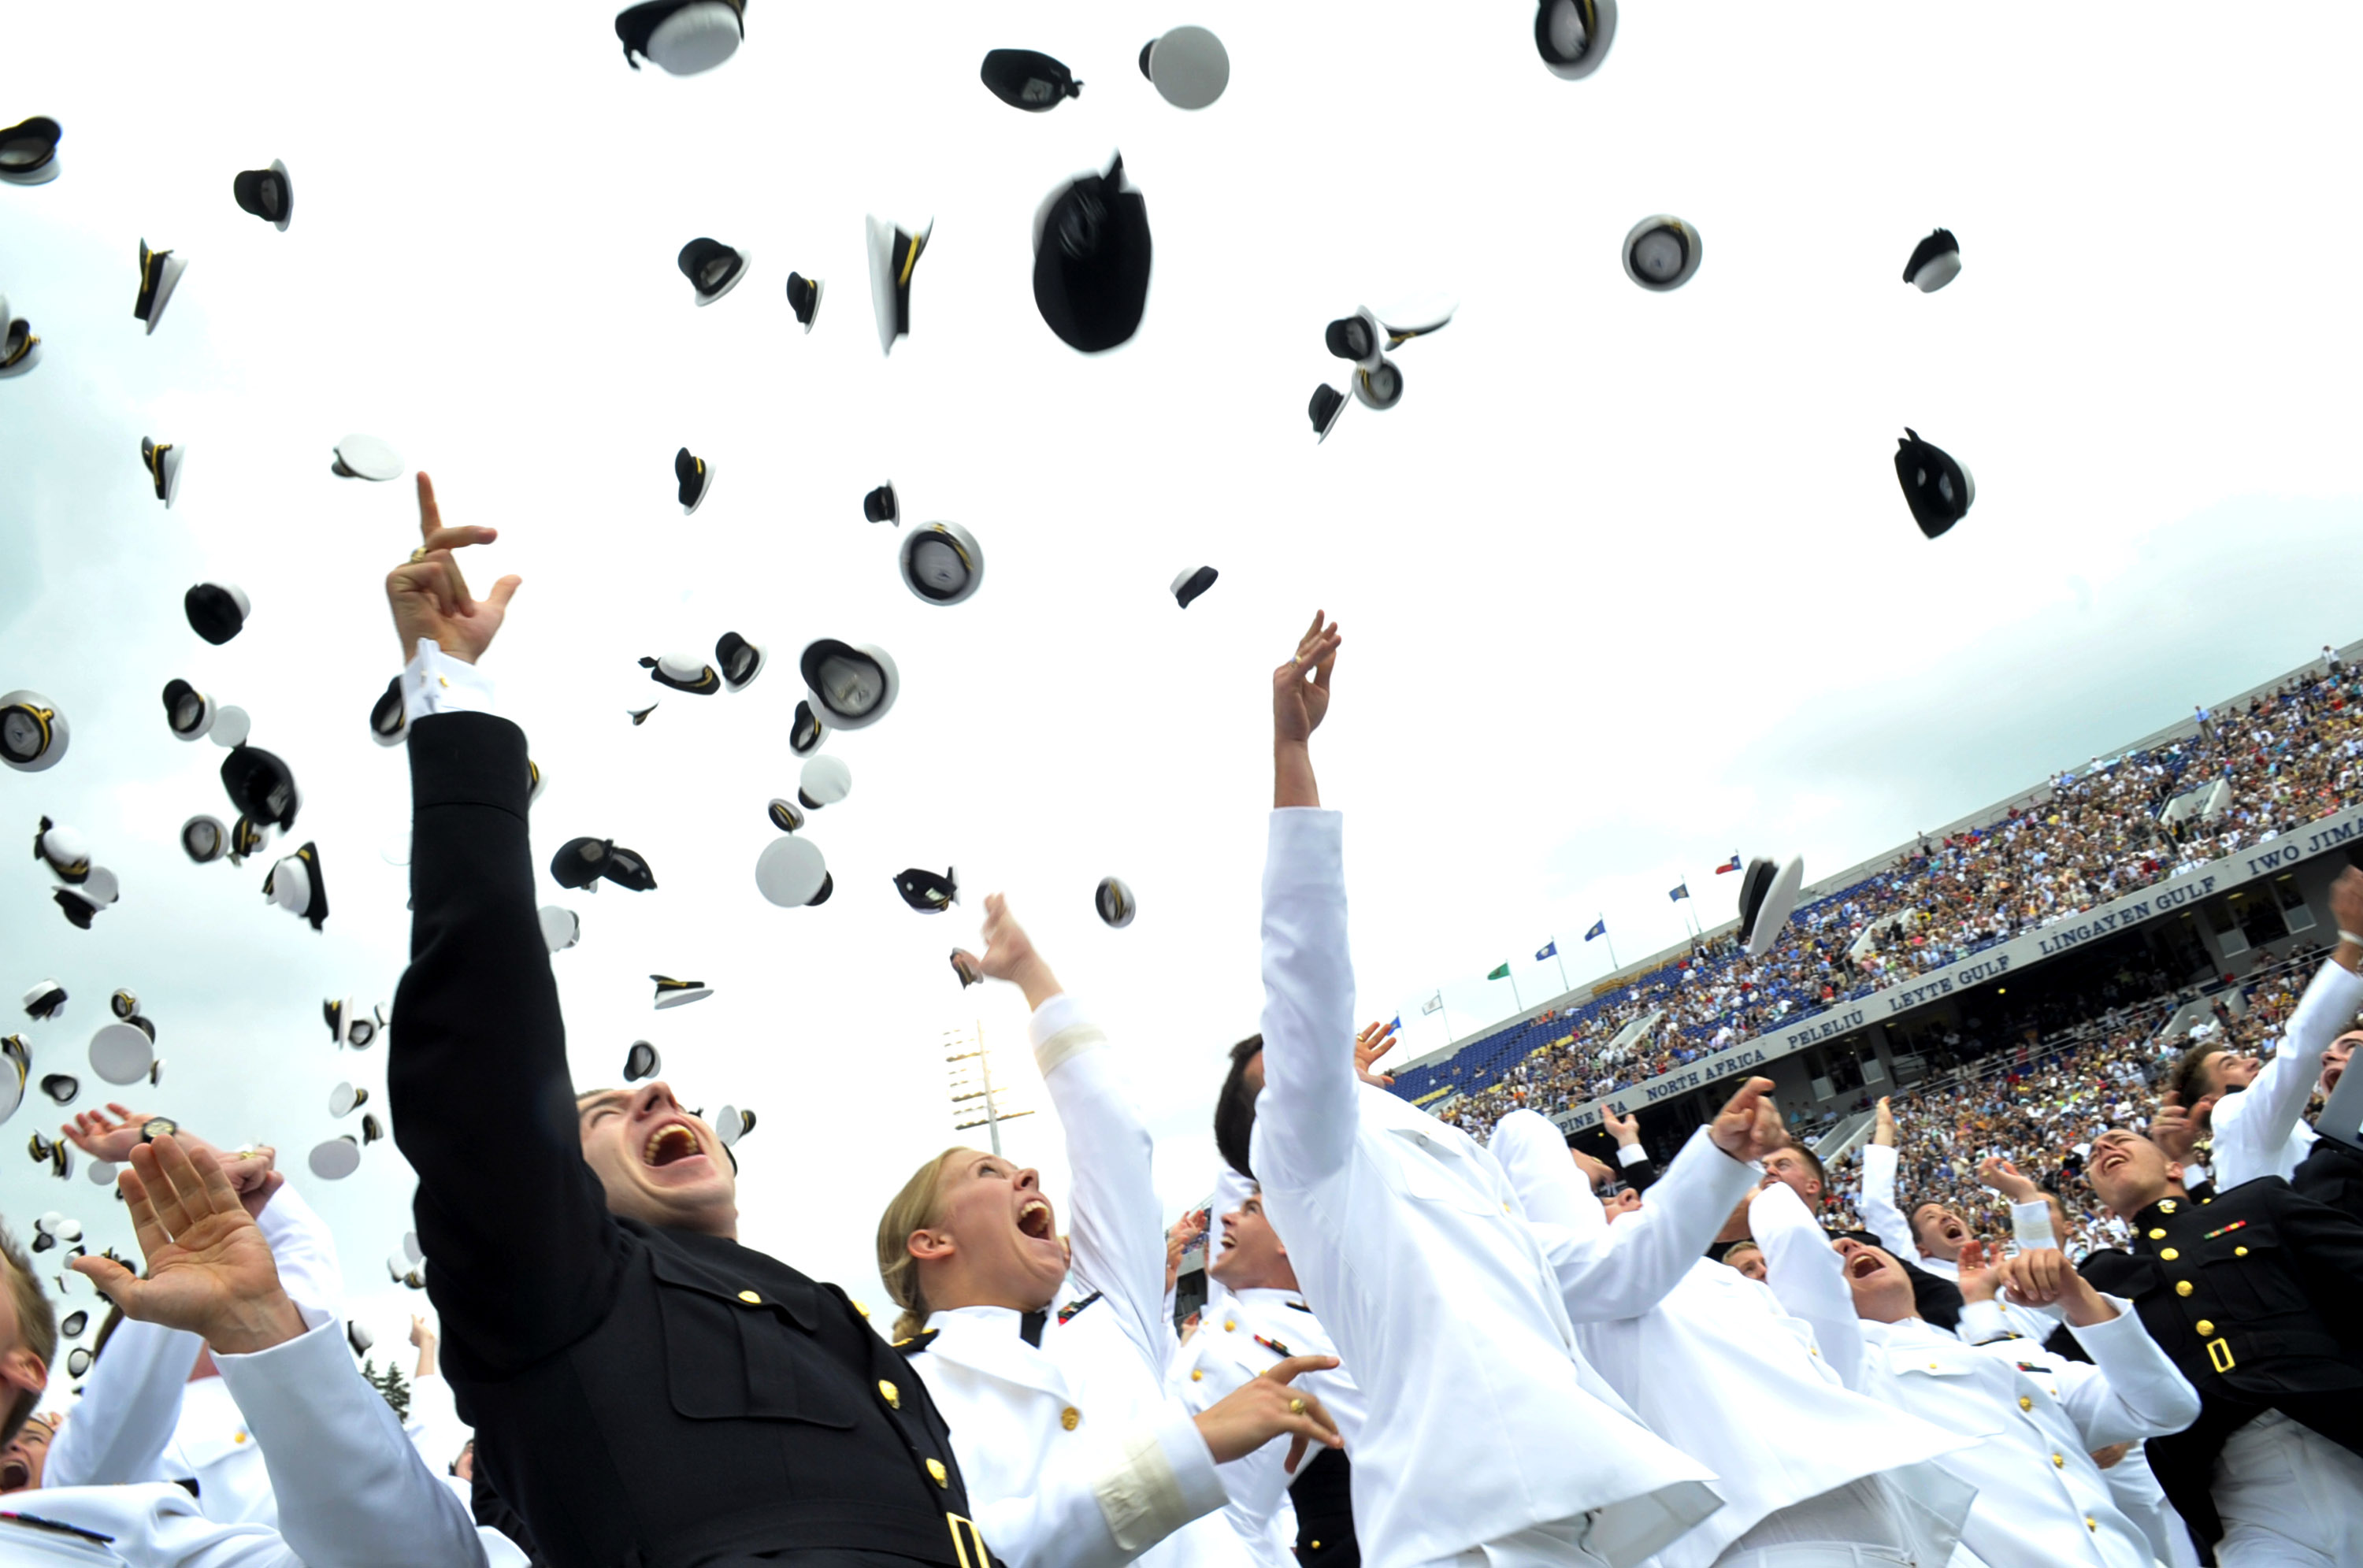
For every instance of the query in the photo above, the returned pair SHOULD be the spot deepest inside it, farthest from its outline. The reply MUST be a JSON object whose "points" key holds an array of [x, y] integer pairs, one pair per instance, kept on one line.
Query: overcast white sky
{"points": [[1626, 581]]}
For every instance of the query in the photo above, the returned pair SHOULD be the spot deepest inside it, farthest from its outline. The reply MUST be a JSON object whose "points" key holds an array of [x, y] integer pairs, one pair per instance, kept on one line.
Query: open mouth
{"points": [[14, 1474], [1954, 1233], [673, 1142], [1034, 1221], [1863, 1265]]}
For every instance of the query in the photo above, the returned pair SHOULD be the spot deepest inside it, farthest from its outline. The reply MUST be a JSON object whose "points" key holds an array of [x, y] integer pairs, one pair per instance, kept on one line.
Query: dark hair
{"points": [[1235, 1107], [2187, 1080]]}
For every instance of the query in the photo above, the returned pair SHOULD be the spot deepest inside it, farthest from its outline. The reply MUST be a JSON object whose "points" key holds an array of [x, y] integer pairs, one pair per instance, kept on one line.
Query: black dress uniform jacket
{"points": [[645, 1398], [2333, 1174], [2254, 1293]]}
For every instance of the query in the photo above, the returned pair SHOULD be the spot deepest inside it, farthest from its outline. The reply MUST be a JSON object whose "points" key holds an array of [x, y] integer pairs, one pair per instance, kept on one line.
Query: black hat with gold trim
{"points": [[792, 873], [642, 1061], [583, 862], [1939, 490], [942, 563], [1663, 253], [125, 1004], [805, 735], [262, 786], [683, 36], [824, 781], [784, 815], [20, 348], [203, 838], [561, 927], [1935, 261], [679, 993], [694, 476], [216, 611], [1091, 259], [1193, 582], [1380, 386], [189, 711], [804, 298], [683, 672], [927, 892], [371, 1130], [893, 256], [160, 274], [65, 850], [62, 1088], [338, 1016], [16, 1064], [268, 193], [29, 151], [1768, 893], [1030, 80], [82, 903], [162, 461], [1328, 405], [47, 998], [141, 1022], [390, 715], [296, 884], [33, 731], [850, 687], [1574, 36], [739, 661], [364, 457], [881, 505], [1189, 67], [711, 267], [247, 837]]}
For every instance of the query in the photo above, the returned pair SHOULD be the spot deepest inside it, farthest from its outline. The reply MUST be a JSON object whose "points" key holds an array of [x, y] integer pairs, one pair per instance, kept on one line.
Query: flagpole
{"points": [[1563, 984], [1610, 938], [1515, 1002]]}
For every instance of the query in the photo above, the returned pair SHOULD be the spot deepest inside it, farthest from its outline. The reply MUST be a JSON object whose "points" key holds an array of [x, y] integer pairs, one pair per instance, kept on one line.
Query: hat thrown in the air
{"points": [[1027, 79], [33, 731], [942, 563], [642, 1061], [711, 267], [1092, 256], [297, 885], [736, 660], [365, 458], [1574, 36], [1192, 582], [268, 193], [1327, 406], [162, 461], [807, 732], [247, 837], [81, 903], [125, 1004], [804, 298], [390, 715], [65, 851], [784, 815], [262, 786], [1189, 67], [46, 999], [582, 862], [344, 1100], [1939, 490], [792, 872], [20, 346], [927, 892], [824, 781], [216, 611], [893, 256], [1661, 253], [881, 505], [160, 274], [1114, 902], [29, 151], [62, 1088], [679, 993], [337, 1158], [1935, 261], [1766, 894], [203, 838], [188, 711], [683, 672], [16, 1064], [693, 478], [850, 687], [683, 36], [560, 928], [121, 1053]]}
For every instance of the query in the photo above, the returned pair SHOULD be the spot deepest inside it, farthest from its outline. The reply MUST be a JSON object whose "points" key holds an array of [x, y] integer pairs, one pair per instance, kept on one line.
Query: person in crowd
{"points": [[2041, 1499], [1934, 1235], [2252, 1294], [1706, 1365], [1744, 1256], [1409, 1243], [433, 1424], [2332, 1172], [1076, 1454], [640, 1384], [350, 1492]]}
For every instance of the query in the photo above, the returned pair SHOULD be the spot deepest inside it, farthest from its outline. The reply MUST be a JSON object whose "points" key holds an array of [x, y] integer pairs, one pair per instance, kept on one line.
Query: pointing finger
{"points": [[430, 517]]}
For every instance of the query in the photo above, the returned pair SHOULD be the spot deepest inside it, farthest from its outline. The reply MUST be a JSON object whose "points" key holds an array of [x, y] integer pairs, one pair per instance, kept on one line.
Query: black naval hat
{"points": [[942, 563], [1030, 80], [1328, 404], [683, 672], [1939, 490], [65, 849], [29, 151], [268, 193], [694, 479], [61, 1087], [297, 885], [1935, 261], [1091, 254], [20, 348], [390, 716], [1114, 902], [247, 837], [792, 872], [364, 457], [1661, 253], [641, 1061], [683, 36], [1192, 582], [216, 611], [804, 298], [582, 862], [203, 839], [850, 687], [806, 733], [711, 267], [262, 786], [33, 731], [1766, 894], [894, 255], [679, 993], [738, 660], [162, 461], [824, 781], [188, 711], [881, 505], [1189, 67], [1574, 36], [46, 999], [159, 273], [1380, 387], [927, 892]]}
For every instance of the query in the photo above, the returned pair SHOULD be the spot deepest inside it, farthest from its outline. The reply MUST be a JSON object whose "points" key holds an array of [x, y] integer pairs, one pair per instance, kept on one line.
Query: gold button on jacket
{"points": [[891, 1395], [750, 1297], [1070, 1418]]}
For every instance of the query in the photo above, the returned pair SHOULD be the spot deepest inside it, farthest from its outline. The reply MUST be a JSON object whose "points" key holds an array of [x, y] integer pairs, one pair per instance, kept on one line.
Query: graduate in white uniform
{"points": [[155, 1407], [1259, 1321], [351, 1494], [2042, 1502], [433, 1425], [1932, 1235], [1074, 1453], [1488, 1442], [1850, 1479]]}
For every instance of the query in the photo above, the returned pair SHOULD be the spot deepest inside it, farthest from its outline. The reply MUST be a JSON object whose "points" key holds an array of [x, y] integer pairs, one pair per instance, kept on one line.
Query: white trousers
{"points": [[2289, 1497], [1556, 1545]]}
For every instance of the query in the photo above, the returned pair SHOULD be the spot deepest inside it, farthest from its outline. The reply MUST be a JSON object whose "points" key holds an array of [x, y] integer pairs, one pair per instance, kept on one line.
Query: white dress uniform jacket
{"points": [[140, 1419], [1485, 1423], [1239, 1339], [1893, 1228], [2259, 1131], [2041, 1501], [1074, 1453], [436, 1431], [1710, 1364], [351, 1493]]}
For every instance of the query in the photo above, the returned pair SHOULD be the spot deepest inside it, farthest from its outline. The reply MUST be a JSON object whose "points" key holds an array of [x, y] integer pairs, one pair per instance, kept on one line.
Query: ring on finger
{"points": [[418, 555], [1296, 1407]]}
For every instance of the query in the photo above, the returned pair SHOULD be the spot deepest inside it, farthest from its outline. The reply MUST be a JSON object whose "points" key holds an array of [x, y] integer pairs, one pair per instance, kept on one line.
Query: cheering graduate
{"points": [[1077, 1455], [1851, 1480], [1486, 1431], [1933, 1237], [643, 1387]]}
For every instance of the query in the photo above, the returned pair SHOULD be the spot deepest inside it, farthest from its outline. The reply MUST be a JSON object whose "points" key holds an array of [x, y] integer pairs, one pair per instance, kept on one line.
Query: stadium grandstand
{"points": [[2153, 878]]}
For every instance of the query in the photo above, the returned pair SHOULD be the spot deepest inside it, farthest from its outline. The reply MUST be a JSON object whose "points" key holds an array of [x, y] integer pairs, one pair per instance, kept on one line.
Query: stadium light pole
{"points": [[969, 1064]]}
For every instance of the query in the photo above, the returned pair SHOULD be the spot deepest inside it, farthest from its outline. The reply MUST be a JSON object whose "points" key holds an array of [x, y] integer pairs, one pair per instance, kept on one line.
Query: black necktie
{"points": [[1030, 1325]]}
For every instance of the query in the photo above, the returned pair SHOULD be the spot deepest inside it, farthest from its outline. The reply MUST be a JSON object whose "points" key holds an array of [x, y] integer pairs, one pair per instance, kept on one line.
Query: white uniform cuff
{"points": [[435, 683], [1983, 1321], [1164, 1477], [1632, 1154]]}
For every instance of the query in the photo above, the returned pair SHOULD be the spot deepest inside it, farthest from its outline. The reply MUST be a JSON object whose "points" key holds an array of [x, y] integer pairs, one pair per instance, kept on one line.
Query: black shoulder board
{"points": [[1071, 1308], [918, 1342]]}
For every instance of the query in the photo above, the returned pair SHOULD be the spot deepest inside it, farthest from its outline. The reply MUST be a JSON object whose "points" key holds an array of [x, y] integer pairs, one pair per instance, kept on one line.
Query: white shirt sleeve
{"points": [[1623, 1270], [2252, 1128], [434, 1427], [305, 1251], [131, 1405], [435, 683], [2131, 1391], [1307, 1116], [1154, 1478], [1880, 1215], [1805, 1272]]}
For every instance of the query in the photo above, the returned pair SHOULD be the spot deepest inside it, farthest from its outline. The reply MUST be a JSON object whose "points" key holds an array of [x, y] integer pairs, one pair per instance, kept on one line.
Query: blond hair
{"points": [[37, 1326], [916, 1206]]}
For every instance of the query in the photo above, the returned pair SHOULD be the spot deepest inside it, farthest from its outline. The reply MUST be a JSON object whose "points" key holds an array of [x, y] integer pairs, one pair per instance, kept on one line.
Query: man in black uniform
{"points": [[646, 1391], [2332, 1173], [2254, 1293]]}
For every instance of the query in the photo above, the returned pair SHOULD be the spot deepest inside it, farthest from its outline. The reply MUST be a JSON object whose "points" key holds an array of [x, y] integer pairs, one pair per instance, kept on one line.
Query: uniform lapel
{"points": [[986, 1340]]}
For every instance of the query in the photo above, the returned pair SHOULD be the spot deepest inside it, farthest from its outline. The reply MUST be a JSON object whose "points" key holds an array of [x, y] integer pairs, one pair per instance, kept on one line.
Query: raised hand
{"points": [[1981, 1276], [1749, 1127], [421, 1336], [1009, 955], [2042, 1276], [1300, 689], [1266, 1408], [1375, 1041], [96, 1135], [1179, 1240], [1999, 1174], [209, 1270], [1882, 1130], [2176, 1128], [1626, 1130], [429, 596]]}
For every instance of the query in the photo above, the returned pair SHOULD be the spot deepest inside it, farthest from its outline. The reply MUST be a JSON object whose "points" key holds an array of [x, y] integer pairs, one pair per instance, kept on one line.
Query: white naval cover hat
{"points": [[1574, 36], [824, 781], [33, 731], [942, 563], [365, 458], [850, 687], [1189, 67], [1663, 253], [120, 1053], [683, 36], [65, 851], [895, 253], [792, 872], [560, 928]]}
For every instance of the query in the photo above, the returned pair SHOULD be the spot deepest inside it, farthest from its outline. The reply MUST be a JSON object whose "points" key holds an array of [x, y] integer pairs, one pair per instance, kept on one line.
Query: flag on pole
{"points": [[1550, 949], [1501, 973], [1394, 1024], [1598, 928], [1730, 865], [1432, 1003], [1679, 891]]}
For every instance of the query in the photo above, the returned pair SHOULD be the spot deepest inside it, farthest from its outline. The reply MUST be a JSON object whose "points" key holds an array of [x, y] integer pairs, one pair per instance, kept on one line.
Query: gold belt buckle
{"points": [[2219, 1354], [961, 1543]]}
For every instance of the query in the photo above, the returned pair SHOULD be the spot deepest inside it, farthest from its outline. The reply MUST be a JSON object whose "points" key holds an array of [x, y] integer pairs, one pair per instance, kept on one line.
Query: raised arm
{"points": [[2251, 1127], [2132, 1390], [1807, 1276], [1879, 1212], [1305, 1119]]}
